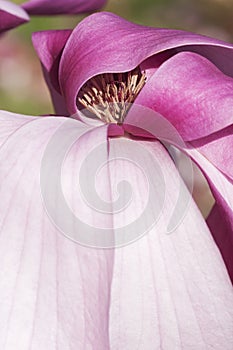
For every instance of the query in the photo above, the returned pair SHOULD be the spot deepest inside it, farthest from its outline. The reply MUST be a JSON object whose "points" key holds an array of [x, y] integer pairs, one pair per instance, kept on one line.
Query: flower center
{"points": [[109, 96]]}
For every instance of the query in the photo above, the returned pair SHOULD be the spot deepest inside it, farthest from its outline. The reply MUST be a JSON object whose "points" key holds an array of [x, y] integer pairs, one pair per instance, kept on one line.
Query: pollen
{"points": [[109, 96]]}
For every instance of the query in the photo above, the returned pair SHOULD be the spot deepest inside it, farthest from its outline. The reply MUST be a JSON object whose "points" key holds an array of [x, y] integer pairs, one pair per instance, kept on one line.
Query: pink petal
{"points": [[149, 122], [53, 86], [194, 95], [220, 220], [48, 7], [167, 290], [217, 148], [49, 46], [104, 42], [11, 15], [54, 293]]}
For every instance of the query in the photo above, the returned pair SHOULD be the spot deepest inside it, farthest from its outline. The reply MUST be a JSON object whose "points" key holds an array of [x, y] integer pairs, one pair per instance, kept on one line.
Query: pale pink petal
{"points": [[168, 291], [11, 15], [150, 124], [54, 293]]}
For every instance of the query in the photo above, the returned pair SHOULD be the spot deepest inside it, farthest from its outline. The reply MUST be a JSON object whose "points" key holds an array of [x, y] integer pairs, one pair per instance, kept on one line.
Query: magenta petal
{"points": [[11, 15], [49, 46], [218, 148], [195, 96], [220, 220], [48, 7], [104, 42], [58, 101], [54, 293]]}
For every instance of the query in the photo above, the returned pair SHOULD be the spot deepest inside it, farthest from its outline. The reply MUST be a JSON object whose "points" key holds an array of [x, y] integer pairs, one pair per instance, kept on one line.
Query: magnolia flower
{"points": [[185, 77], [68, 177], [12, 15]]}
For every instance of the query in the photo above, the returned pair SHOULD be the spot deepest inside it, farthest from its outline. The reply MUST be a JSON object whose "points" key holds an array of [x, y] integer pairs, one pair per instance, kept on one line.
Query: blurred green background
{"points": [[22, 88]]}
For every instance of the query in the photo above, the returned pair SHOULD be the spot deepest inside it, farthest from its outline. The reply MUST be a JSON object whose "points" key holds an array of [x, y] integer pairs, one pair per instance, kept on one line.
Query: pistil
{"points": [[109, 96]]}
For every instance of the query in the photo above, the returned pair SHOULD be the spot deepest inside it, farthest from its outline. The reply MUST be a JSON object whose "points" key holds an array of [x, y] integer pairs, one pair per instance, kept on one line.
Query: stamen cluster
{"points": [[109, 96]]}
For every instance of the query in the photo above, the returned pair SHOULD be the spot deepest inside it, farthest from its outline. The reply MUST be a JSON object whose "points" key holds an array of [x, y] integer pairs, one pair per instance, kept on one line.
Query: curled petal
{"points": [[192, 93], [217, 148], [104, 42], [11, 15], [125, 46], [59, 7]]}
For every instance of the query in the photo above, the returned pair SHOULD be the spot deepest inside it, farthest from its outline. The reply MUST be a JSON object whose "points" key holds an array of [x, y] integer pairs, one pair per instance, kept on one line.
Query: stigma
{"points": [[109, 96]]}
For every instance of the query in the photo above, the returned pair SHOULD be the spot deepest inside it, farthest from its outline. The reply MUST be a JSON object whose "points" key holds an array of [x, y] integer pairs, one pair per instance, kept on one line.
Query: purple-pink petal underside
{"points": [[59, 7], [104, 42], [169, 290], [220, 220], [11, 15], [192, 93], [217, 148], [49, 46], [215, 158]]}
